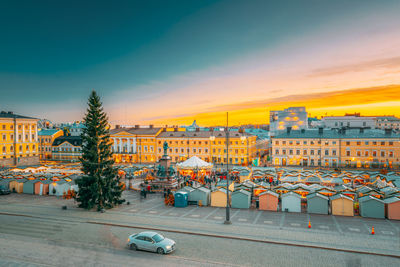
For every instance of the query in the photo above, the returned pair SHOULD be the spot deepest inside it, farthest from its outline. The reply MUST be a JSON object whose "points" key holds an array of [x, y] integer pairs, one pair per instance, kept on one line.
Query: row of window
{"points": [[67, 149], [4, 127], [4, 149], [373, 153], [348, 143], [11, 137], [332, 152]]}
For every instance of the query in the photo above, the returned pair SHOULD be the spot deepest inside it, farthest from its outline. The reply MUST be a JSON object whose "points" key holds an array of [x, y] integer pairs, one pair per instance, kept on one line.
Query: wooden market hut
{"points": [[218, 198], [59, 188], [317, 203], [342, 205], [19, 188], [201, 195], [42, 187], [29, 187], [392, 208], [291, 202], [268, 200], [241, 199], [371, 207]]}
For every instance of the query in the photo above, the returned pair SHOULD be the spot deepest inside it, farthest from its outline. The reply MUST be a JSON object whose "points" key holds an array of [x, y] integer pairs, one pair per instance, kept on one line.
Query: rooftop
{"points": [[47, 131], [73, 140], [138, 131], [9, 114]]}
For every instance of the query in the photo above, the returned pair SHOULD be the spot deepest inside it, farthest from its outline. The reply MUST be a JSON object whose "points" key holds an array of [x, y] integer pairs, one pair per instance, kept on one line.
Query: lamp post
{"points": [[243, 139], [212, 139], [227, 219]]}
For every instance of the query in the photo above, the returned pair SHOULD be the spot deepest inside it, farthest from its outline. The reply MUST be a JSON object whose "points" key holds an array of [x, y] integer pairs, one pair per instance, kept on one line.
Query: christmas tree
{"points": [[100, 185]]}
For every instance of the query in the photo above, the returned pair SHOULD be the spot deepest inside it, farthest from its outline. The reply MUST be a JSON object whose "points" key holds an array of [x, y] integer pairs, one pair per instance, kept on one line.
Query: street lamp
{"points": [[212, 139], [243, 139], [227, 219]]}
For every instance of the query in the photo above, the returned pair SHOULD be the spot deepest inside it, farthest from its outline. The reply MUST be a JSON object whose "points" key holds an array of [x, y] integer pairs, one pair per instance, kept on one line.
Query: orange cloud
{"points": [[382, 100]]}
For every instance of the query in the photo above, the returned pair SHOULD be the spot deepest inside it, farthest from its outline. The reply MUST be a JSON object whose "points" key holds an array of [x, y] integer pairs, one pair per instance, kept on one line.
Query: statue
{"points": [[161, 171], [165, 146], [171, 171]]}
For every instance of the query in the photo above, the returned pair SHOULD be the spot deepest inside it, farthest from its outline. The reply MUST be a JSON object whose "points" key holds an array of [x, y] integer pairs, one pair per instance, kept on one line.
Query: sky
{"points": [[171, 62]]}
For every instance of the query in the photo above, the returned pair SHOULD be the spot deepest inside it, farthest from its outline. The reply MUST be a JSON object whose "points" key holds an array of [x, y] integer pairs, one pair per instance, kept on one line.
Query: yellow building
{"points": [[18, 140], [331, 148], [209, 146], [46, 139], [134, 145]]}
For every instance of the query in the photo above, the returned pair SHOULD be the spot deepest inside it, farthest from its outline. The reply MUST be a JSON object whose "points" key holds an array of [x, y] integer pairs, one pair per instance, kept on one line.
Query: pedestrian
{"points": [[148, 188], [165, 192], [144, 193]]}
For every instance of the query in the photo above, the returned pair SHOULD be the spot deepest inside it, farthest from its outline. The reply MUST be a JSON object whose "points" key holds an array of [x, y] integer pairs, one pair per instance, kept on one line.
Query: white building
{"points": [[388, 122], [294, 117], [349, 121]]}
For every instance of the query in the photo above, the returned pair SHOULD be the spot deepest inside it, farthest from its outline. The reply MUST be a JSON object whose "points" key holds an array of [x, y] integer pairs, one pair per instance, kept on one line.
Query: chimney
{"points": [[137, 126], [175, 129], [211, 129], [117, 126], [288, 129], [343, 130], [197, 129], [320, 130], [388, 131], [151, 126], [361, 130]]}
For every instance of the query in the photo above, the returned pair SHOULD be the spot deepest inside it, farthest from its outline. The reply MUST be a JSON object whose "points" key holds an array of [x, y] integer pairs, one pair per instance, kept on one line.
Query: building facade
{"points": [[294, 117], [388, 122], [134, 145], [349, 121], [67, 148], [46, 139], [209, 145], [332, 148], [18, 140]]}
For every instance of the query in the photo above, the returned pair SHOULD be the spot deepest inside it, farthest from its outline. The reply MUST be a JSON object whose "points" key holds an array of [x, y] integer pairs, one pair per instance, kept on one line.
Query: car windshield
{"points": [[158, 238]]}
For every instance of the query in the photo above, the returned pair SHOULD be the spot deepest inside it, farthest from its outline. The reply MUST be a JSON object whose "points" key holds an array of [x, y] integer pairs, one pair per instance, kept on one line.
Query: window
{"points": [[304, 142], [366, 143], [358, 153], [333, 142], [348, 153], [305, 152], [290, 151], [374, 153], [319, 152], [312, 152], [4, 137], [374, 143], [382, 153], [347, 143], [290, 142], [391, 154], [311, 142], [276, 151], [364, 123], [276, 142], [382, 143], [298, 152], [297, 142], [4, 126], [199, 142], [326, 152], [366, 153], [358, 143], [283, 142], [327, 143], [333, 152], [284, 151], [194, 150], [391, 143]]}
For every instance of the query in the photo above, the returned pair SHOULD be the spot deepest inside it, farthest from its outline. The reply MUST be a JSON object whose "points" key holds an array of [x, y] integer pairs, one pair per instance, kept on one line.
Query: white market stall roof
{"points": [[194, 163]]}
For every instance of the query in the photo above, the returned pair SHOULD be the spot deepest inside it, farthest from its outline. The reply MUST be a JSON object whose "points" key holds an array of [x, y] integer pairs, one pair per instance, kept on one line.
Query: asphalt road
{"points": [[28, 241]]}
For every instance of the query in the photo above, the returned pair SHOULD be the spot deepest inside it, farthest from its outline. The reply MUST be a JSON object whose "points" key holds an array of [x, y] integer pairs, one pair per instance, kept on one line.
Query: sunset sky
{"points": [[170, 62]]}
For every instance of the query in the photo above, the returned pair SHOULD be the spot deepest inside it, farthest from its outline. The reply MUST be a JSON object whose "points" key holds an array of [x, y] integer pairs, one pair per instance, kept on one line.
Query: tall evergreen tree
{"points": [[100, 185]]}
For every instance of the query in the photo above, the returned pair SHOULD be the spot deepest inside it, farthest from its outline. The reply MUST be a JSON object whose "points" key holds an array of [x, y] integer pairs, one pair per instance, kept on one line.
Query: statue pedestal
{"points": [[165, 161]]}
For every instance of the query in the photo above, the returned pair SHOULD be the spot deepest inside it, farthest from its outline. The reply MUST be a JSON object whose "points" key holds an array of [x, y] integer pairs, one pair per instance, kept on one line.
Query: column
{"points": [[30, 133], [129, 145], [120, 145], [115, 145], [23, 133]]}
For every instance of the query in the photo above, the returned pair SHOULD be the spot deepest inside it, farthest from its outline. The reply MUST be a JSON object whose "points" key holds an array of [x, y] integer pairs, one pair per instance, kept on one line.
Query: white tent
{"points": [[194, 163]]}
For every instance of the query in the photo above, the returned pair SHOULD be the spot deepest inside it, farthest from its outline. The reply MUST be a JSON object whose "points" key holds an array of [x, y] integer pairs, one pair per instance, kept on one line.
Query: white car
{"points": [[151, 241]]}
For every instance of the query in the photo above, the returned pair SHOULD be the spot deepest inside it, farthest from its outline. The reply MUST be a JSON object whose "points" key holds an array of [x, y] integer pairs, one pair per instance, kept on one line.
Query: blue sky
{"points": [[150, 59]]}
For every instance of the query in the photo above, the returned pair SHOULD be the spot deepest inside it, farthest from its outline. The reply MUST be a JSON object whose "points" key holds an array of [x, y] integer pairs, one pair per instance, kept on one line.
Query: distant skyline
{"points": [[171, 62]]}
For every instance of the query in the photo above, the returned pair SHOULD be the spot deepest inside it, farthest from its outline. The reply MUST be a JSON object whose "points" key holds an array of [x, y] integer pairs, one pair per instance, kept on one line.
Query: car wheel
{"points": [[160, 251], [133, 246]]}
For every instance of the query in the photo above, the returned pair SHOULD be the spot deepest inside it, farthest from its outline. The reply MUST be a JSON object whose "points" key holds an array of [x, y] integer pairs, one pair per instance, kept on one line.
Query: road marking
{"points": [[211, 213], [323, 227], [258, 216], [133, 210], [387, 232], [195, 215], [234, 214], [153, 211], [217, 217], [173, 214], [268, 222], [354, 229], [337, 224], [295, 224], [282, 220], [242, 220]]}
